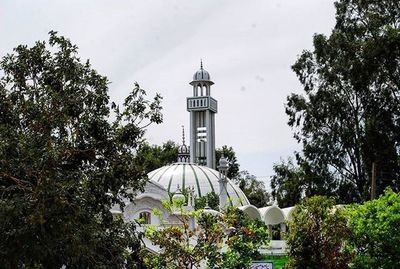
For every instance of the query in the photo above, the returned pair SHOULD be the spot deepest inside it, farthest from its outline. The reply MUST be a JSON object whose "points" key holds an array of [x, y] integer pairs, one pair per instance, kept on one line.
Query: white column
{"points": [[212, 142], [193, 138], [223, 195], [209, 139]]}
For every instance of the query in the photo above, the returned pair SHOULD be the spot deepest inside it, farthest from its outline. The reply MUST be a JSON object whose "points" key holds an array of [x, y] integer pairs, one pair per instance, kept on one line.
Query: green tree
{"points": [[176, 240], [64, 163], [244, 238], [253, 189], [229, 240], [375, 227], [317, 235], [287, 183], [229, 153], [155, 156], [293, 181], [347, 117]]}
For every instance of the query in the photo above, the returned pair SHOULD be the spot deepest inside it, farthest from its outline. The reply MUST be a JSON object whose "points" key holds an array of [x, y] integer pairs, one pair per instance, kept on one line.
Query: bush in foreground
{"points": [[375, 227], [317, 236]]}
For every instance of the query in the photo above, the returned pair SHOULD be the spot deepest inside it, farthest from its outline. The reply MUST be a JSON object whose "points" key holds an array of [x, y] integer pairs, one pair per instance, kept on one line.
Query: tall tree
{"points": [[154, 156], [64, 163], [348, 117], [294, 180], [287, 183], [253, 189]]}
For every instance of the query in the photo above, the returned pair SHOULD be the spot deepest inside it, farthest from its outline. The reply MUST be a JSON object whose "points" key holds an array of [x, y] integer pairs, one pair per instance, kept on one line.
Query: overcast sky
{"points": [[246, 46]]}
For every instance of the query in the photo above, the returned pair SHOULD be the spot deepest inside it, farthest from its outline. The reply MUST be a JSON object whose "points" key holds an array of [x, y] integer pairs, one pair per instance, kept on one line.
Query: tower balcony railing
{"points": [[201, 103]]}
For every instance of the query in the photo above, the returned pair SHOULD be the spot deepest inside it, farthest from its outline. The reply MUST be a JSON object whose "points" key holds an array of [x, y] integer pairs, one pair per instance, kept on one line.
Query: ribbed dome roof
{"points": [[204, 180], [201, 75]]}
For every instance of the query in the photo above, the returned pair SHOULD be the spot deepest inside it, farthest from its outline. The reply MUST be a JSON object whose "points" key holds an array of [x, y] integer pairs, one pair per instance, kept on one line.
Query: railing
{"points": [[202, 103]]}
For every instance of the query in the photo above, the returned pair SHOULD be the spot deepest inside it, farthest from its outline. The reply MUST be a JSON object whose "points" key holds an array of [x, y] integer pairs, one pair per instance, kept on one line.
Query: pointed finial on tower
{"points": [[201, 64], [183, 150], [183, 135]]}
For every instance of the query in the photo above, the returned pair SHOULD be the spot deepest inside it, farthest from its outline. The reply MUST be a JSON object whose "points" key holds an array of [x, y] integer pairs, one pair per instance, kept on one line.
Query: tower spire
{"points": [[183, 135], [201, 64], [183, 150]]}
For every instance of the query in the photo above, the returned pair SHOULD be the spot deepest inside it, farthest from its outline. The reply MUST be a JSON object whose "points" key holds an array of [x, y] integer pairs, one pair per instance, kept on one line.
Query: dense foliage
{"points": [[359, 236], [244, 237], [375, 227], [64, 163], [348, 116], [176, 240], [154, 156], [287, 183], [229, 240], [254, 189], [317, 236], [211, 200], [230, 155], [291, 182]]}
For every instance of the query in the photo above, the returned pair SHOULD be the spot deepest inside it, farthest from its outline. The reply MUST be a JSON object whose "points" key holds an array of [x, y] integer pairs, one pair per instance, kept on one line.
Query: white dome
{"points": [[201, 75], [204, 180]]}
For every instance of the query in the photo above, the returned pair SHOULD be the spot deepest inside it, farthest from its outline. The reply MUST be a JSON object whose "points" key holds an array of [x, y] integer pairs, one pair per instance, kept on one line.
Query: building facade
{"points": [[195, 170]]}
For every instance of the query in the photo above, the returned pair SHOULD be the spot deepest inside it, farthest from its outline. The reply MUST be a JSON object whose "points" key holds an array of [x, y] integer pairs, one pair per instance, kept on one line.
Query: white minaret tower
{"points": [[202, 108]]}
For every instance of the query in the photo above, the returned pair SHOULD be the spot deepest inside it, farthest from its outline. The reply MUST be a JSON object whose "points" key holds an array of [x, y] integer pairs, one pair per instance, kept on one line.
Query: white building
{"points": [[195, 169]]}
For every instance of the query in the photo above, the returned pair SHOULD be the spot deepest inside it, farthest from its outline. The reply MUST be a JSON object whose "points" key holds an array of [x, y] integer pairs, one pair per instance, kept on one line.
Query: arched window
{"points": [[145, 217], [276, 232]]}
